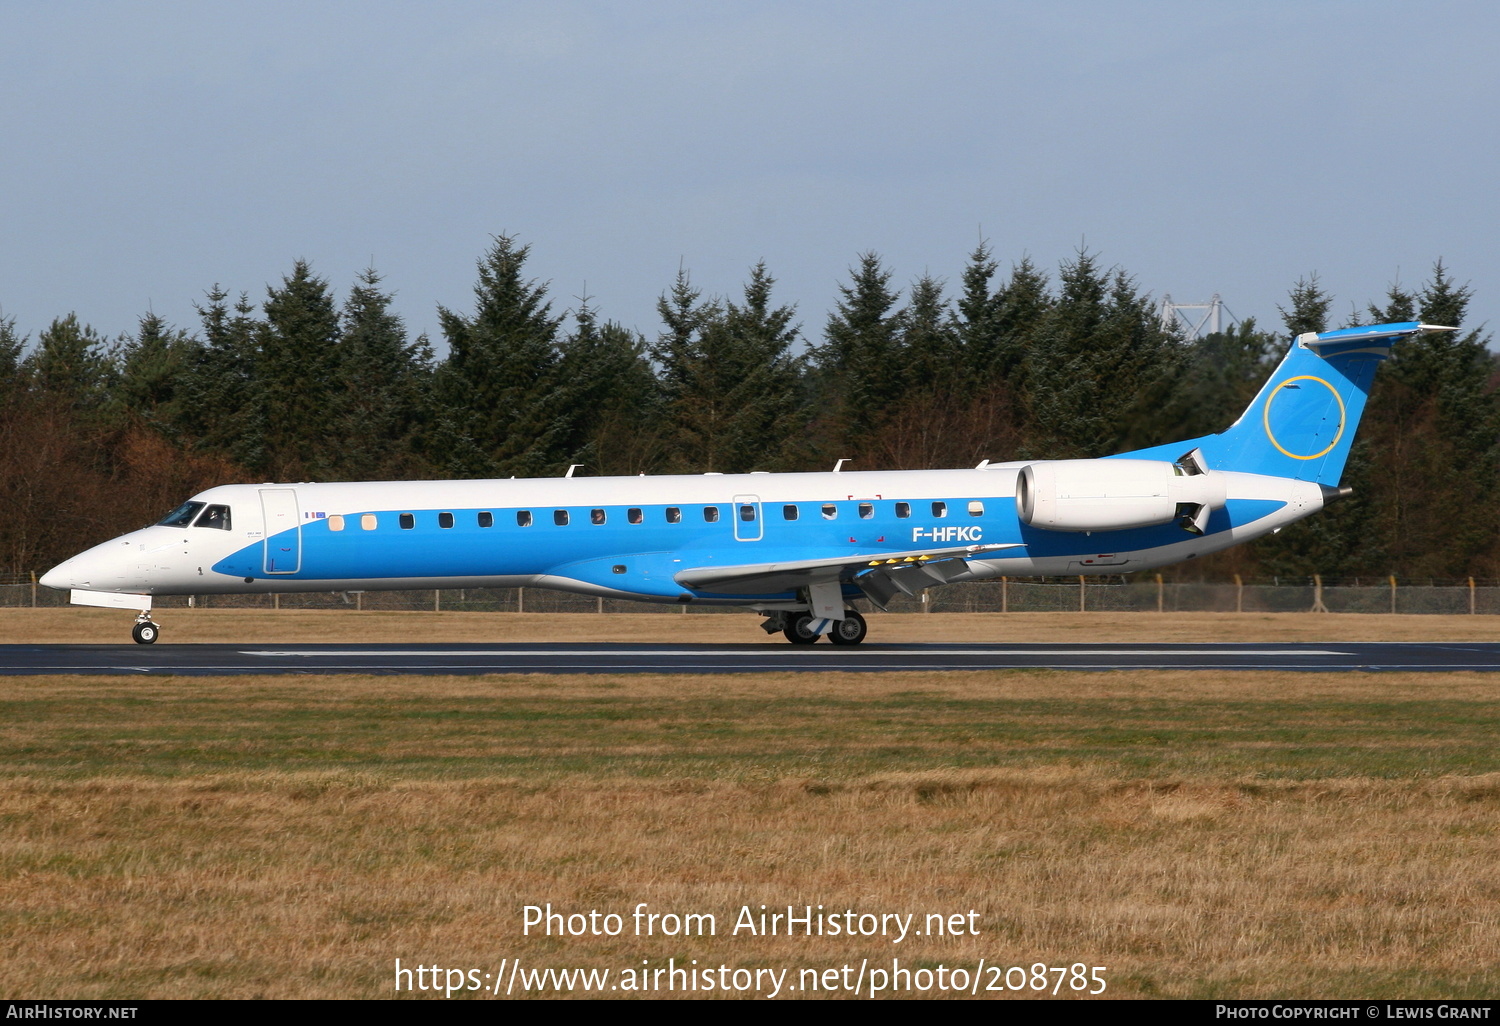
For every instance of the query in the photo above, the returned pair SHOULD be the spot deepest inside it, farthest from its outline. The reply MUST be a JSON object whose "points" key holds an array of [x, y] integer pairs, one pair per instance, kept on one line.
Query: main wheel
{"points": [[145, 633], [799, 629], [851, 630]]}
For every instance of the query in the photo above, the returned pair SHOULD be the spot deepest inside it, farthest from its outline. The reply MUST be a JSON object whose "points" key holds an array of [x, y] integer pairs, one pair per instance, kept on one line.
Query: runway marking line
{"points": [[821, 653]]}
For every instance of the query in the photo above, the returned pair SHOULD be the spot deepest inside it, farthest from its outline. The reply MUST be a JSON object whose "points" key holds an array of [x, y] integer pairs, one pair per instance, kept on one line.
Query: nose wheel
{"points": [[144, 632]]}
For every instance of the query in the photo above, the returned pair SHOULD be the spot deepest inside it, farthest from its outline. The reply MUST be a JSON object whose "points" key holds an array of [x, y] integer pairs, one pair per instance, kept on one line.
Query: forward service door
{"points": [[748, 521]]}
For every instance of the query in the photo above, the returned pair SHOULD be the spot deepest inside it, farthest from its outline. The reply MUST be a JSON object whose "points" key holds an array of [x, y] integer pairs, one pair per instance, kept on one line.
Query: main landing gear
{"points": [[144, 632], [851, 630]]}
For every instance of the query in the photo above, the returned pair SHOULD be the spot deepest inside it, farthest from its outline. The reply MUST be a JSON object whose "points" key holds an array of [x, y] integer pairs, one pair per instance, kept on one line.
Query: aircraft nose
{"points": [[99, 568]]}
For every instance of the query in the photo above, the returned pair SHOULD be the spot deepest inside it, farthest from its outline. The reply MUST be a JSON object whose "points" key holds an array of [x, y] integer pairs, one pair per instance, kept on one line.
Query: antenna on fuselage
{"points": [[839, 465], [571, 469]]}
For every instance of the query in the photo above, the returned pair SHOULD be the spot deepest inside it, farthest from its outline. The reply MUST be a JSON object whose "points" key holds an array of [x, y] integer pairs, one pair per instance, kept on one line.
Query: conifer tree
{"points": [[994, 328], [1099, 367], [860, 360], [500, 406], [1434, 417], [730, 381], [386, 380], [12, 346], [616, 423], [70, 364], [219, 411], [297, 376], [1309, 307], [153, 366], [931, 353]]}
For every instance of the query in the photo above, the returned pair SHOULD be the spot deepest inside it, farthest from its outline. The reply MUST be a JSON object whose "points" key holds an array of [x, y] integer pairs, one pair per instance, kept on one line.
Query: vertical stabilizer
{"points": [[1302, 422]]}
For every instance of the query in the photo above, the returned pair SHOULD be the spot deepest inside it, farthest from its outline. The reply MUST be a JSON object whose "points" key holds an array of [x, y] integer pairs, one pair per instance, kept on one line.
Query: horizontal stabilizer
{"points": [[1319, 342], [750, 578]]}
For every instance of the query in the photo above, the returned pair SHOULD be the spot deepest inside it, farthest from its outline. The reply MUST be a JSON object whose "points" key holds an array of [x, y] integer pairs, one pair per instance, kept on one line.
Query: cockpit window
{"points": [[181, 516], [214, 516]]}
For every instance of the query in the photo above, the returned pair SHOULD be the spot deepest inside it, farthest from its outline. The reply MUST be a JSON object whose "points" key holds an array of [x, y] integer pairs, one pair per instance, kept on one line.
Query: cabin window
{"points": [[407, 521], [903, 510], [674, 515], [367, 522], [560, 517], [445, 520], [939, 509], [486, 518], [335, 523], [976, 508], [181, 516], [618, 568], [866, 510], [216, 517], [747, 512], [830, 511], [523, 518], [711, 514], [789, 512], [596, 516], [634, 516]]}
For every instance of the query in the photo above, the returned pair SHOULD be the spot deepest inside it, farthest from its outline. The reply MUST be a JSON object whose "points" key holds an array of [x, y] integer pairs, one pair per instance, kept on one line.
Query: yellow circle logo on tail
{"points": [[1266, 417]]}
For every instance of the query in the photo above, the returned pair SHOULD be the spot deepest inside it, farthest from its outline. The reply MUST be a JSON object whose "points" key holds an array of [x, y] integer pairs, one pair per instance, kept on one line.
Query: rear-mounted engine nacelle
{"points": [[1112, 495]]}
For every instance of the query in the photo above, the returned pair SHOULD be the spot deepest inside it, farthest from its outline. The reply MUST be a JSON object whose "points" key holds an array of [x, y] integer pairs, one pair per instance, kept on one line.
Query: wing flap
{"points": [[749, 578]]}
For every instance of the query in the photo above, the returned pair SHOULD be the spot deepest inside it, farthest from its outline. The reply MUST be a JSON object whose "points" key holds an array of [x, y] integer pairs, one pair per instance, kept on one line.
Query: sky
{"points": [[151, 150]]}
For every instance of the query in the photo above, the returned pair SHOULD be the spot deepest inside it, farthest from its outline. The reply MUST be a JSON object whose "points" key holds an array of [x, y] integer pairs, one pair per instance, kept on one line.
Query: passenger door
{"points": [[283, 542]]}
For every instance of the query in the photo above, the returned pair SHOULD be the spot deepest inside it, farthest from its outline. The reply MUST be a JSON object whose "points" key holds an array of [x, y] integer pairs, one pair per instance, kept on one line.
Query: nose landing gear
{"points": [[144, 632]]}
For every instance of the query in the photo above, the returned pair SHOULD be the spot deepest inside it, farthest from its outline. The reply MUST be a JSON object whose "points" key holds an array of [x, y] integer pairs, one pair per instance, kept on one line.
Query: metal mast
{"points": [[1180, 315]]}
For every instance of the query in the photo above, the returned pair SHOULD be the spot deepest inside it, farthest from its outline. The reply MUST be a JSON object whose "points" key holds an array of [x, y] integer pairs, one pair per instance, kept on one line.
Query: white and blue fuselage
{"points": [[629, 537]]}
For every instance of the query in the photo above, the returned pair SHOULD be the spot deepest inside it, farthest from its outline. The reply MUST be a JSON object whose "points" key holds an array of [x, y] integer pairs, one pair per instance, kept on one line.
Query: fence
{"points": [[1017, 595]]}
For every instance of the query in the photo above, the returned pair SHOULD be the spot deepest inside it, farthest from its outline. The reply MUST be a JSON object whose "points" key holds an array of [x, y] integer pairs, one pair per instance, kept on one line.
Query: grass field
{"points": [[1240, 834]]}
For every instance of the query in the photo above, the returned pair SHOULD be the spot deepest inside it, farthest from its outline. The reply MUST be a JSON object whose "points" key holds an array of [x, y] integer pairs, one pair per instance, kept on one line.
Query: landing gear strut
{"points": [[144, 632]]}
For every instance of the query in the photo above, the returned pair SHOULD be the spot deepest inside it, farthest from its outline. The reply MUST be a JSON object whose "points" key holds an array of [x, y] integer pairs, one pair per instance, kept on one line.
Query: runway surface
{"points": [[220, 660]]}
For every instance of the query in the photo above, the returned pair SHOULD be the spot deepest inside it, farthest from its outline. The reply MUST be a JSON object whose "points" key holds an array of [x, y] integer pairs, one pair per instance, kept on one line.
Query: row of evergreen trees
{"points": [[100, 433]]}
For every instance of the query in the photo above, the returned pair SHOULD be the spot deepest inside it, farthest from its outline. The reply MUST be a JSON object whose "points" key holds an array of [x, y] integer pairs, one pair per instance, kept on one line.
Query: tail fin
{"points": [[1302, 423]]}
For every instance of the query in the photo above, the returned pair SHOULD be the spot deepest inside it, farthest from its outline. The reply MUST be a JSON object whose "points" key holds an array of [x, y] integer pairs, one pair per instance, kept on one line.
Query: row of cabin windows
{"points": [[866, 510], [560, 517]]}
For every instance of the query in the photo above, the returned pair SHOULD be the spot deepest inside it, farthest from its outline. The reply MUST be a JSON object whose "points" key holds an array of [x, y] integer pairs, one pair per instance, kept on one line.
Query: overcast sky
{"points": [[150, 150]]}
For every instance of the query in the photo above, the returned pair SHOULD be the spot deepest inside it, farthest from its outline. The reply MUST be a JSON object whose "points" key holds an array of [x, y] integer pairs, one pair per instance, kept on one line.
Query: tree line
{"points": [[102, 434]]}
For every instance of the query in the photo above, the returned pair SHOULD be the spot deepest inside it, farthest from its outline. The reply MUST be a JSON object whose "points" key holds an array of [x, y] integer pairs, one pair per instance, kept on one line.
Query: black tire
{"points": [[851, 630], [799, 629], [145, 633]]}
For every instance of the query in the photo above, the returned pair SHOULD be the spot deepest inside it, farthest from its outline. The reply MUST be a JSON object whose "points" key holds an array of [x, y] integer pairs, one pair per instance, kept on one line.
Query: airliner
{"points": [[798, 549]]}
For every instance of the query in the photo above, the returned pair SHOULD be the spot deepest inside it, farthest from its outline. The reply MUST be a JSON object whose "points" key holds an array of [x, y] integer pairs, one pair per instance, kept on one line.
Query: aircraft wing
{"points": [[879, 575]]}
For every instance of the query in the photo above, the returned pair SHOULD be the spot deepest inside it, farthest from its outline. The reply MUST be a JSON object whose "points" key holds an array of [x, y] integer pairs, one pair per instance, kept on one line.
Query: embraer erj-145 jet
{"points": [[796, 548]]}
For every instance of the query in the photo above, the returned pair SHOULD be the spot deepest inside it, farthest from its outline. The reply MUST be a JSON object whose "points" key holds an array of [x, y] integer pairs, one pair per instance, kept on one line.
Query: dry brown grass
{"points": [[288, 626], [1250, 834]]}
